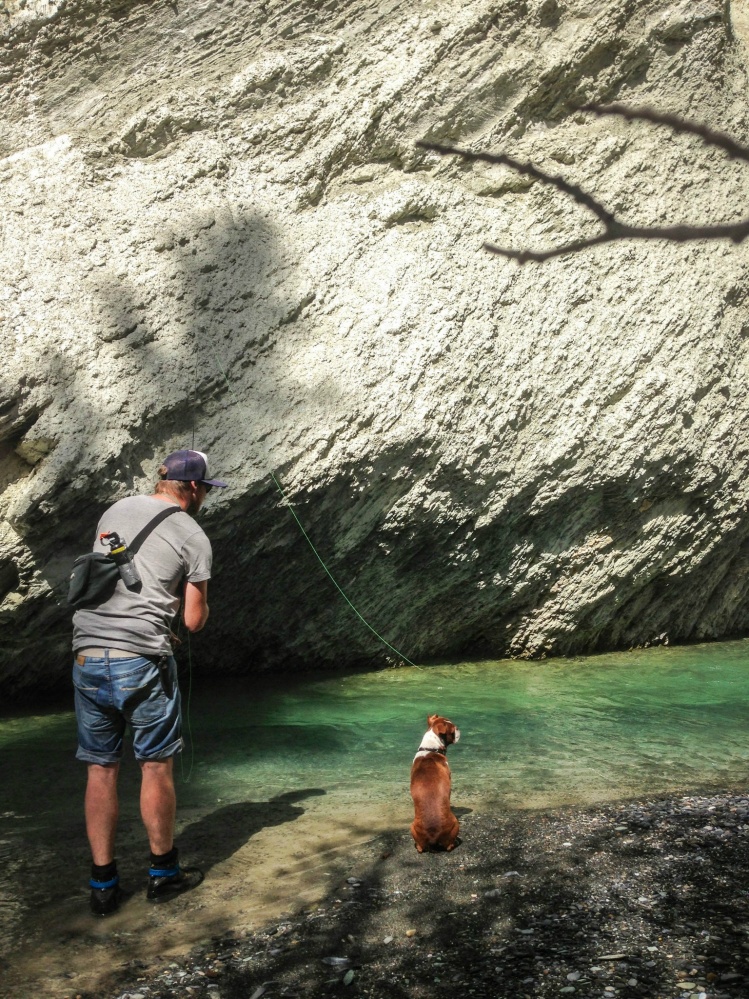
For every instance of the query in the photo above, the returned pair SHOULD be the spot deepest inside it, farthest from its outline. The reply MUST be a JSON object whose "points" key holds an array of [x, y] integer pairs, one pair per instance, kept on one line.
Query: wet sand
{"points": [[261, 859]]}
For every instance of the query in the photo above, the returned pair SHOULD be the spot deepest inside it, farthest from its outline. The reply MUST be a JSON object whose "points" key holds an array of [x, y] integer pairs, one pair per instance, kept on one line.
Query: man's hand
{"points": [[195, 612]]}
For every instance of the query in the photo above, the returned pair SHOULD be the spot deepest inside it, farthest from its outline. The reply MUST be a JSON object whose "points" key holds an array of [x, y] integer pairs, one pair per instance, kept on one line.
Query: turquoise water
{"points": [[654, 721]]}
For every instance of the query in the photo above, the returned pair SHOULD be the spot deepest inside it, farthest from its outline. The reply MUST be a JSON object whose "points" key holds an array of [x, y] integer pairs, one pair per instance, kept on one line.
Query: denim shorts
{"points": [[113, 693]]}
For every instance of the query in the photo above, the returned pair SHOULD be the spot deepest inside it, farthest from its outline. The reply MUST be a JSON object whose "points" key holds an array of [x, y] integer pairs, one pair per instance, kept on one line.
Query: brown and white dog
{"points": [[434, 826]]}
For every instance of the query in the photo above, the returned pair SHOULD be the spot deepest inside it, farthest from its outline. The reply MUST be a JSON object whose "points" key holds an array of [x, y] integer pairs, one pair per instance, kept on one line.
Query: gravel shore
{"points": [[645, 898]]}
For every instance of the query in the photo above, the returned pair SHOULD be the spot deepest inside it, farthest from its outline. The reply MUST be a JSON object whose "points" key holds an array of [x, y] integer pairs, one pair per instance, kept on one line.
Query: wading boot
{"points": [[106, 896], [166, 882]]}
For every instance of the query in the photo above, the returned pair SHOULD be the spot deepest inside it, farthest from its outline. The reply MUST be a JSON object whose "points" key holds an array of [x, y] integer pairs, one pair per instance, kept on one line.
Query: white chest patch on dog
{"points": [[430, 743]]}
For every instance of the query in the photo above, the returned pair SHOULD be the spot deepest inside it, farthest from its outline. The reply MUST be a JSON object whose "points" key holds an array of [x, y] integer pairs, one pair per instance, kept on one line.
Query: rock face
{"points": [[217, 229]]}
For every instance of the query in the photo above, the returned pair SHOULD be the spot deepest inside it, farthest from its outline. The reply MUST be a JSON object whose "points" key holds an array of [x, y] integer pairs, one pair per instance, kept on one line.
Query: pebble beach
{"points": [[645, 898]]}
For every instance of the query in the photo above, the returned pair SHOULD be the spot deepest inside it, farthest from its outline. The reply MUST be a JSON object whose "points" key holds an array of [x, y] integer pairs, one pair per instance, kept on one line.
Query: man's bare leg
{"points": [[158, 803], [102, 811], [158, 807]]}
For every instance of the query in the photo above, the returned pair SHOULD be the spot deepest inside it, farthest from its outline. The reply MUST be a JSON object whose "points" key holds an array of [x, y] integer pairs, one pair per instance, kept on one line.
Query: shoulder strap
{"points": [[141, 536]]}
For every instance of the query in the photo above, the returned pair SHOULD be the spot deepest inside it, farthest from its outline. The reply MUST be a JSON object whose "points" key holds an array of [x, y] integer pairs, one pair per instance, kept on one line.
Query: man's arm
{"points": [[196, 605]]}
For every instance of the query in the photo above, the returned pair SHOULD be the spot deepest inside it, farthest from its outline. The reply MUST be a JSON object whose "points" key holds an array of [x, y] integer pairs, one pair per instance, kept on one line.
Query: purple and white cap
{"points": [[190, 466]]}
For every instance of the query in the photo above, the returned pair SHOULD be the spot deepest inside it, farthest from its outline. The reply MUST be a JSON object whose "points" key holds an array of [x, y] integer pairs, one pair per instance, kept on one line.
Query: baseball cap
{"points": [[190, 466]]}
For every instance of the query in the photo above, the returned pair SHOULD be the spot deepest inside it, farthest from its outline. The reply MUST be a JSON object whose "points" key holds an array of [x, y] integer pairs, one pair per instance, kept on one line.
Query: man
{"points": [[124, 672]]}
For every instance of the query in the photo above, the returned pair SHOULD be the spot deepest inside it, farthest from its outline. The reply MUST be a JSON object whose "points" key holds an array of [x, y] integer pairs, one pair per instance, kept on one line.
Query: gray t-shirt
{"points": [[176, 550]]}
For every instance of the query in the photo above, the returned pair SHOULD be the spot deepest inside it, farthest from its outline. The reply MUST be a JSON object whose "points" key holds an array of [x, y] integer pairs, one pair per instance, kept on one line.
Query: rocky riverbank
{"points": [[644, 899]]}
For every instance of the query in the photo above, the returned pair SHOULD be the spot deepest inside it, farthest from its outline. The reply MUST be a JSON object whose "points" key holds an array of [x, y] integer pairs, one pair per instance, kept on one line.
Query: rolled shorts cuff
{"points": [[101, 758], [173, 749]]}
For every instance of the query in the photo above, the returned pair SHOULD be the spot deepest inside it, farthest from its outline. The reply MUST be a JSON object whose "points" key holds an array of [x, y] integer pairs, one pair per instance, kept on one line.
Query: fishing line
{"points": [[332, 579], [310, 543], [188, 778]]}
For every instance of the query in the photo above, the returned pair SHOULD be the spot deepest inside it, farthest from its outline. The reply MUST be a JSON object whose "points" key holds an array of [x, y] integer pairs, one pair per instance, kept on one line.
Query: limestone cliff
{"points": [[217, 228]]}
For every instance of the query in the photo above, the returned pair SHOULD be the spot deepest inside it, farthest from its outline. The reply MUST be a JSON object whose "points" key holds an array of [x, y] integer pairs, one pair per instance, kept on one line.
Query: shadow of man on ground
{"points": [[221, 833]]}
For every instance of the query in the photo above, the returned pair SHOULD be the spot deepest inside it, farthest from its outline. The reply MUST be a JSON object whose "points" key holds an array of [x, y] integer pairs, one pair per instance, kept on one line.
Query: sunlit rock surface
{"points": [[217, 229]]}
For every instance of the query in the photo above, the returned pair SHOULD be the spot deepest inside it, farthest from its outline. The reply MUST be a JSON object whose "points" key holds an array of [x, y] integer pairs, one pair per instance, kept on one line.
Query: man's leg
{"points": [[102, 811], [158, 807], [158, 803], [157, 738]]}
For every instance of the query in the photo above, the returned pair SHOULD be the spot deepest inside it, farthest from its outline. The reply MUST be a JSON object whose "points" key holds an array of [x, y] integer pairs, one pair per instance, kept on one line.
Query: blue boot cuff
{"points": [[93, 883], [163, 872]]}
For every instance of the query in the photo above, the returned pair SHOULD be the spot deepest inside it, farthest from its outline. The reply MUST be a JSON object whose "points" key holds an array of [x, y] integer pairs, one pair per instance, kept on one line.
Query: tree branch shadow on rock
{"points": [[613, 228]]}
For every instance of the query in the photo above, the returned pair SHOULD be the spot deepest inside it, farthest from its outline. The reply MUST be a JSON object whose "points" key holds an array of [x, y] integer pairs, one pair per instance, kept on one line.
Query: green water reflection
{"points": [[605, 726]]}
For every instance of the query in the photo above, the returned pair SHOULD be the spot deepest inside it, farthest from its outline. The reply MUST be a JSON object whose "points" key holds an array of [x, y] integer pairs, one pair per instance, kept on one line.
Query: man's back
{"points": [[176, 550]]}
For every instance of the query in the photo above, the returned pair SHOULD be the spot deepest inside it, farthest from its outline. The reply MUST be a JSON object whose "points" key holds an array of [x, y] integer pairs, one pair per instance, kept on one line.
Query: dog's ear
{"points": [[431, 719]]}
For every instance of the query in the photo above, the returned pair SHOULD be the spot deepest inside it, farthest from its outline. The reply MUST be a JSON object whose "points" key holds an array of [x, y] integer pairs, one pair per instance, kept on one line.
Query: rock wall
{"points": [[217, 229]]}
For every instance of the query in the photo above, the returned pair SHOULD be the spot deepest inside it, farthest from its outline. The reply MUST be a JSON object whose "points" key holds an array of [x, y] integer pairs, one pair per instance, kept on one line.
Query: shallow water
{"points": [[563, 730], [282, 778]]}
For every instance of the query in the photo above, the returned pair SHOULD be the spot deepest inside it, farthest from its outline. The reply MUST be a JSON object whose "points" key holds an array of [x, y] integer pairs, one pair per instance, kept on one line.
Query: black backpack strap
{"points": [[141, 536]]}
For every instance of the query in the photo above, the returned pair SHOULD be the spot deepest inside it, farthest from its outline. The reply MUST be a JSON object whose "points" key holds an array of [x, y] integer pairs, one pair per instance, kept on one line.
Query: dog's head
{"points": [[443, 728]]}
